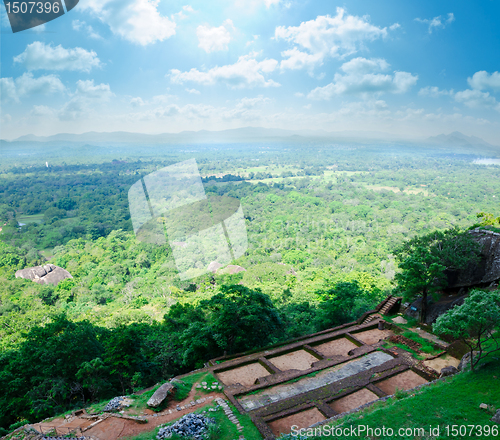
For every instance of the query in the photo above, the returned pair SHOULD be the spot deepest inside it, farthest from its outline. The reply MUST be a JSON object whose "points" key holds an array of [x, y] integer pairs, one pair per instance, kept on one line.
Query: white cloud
{"points": [[193, 91], [394, 26], [8, 92], [483, 80], [476, 99], [269, 3], [42, 111], [137, 21], [434, 92], [249, 6], [295, 59], [86, 97], [83, 26], [213, 39], [246, 72], [181, 14], [299, 94], [137, 102], [360, 79], [26, 85], [38, 55], [87, 89], [248, 109], [326, 36], [46, 85], [361, 66], [437, 22]]}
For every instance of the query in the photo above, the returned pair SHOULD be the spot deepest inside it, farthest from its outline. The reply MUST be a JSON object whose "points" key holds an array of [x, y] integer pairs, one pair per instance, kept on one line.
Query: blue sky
{"points": [[411, 69]]}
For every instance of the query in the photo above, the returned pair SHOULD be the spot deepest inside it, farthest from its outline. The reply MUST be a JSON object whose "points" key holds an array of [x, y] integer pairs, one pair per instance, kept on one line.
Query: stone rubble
{"points": [[229, 413], [115, 404], [191, 425]]}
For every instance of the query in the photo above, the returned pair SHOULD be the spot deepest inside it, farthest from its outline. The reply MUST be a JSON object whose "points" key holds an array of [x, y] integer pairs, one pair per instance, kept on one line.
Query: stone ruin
{"points": [[47, 274]]}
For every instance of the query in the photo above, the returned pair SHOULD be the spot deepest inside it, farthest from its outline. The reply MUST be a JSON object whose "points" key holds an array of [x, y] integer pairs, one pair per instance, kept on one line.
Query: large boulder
{"points": [[465, 361], [47, 274], [487, 270], [160, 395], [496, 417], [448, 371]]}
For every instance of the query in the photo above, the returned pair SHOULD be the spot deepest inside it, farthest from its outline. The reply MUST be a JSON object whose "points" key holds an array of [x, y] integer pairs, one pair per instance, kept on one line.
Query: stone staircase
{"points": [[386, 307], [389, 304]]}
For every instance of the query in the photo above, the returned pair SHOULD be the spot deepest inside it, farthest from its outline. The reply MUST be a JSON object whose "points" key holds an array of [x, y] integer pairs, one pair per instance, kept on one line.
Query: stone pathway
{"points": [[326, 377], [230, 415], [429, 336]]}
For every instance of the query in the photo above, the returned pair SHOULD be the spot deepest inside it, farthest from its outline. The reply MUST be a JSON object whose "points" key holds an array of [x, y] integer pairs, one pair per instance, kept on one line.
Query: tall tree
{"points": [[424, 261], [474, 323]]}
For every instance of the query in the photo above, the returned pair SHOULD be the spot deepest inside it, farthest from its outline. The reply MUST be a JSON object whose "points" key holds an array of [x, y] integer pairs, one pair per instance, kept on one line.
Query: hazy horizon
{"points": [[410, 71]]}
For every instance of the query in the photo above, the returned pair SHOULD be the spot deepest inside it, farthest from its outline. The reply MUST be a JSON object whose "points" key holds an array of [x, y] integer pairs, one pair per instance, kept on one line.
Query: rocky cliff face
{"points": [[47, 274], [488, 268]]}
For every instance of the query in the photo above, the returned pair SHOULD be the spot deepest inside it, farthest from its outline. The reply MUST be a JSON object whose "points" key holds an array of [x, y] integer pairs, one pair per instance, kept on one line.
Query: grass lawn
{"points": [[452, 402], [35, 218]]}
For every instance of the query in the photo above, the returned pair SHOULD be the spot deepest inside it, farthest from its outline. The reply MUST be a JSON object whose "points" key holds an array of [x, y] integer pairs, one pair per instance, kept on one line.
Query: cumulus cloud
{"points": [[246, 72], [193, 91], [137, 21], [483, 80], [213, 39], [84, 100], [437, 22], [181, 15], [434, 92], [360, 78], [8, 92], [476, 99], [39, 55], [137, 102], [326, 36], [84, 27], [27, 85], [87, 89]]}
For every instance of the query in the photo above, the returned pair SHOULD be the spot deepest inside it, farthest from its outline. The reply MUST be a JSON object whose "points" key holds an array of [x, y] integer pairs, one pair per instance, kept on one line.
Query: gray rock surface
{"points": [[465, 361], [448, 371], [190, 426], [46, 274], [488, 268], [115, 404], [160, 395], [496, 418]]}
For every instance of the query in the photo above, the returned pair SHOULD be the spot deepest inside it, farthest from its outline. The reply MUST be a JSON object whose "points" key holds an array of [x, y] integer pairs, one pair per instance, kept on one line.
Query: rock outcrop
{"points": [[448, 371], [488, 268], [47, 274], [496, 417], [160, 395]]}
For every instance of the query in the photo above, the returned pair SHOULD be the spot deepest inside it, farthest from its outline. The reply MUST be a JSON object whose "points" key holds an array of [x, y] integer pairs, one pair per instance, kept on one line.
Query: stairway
{"points": [[371, 318], [389, 304]]}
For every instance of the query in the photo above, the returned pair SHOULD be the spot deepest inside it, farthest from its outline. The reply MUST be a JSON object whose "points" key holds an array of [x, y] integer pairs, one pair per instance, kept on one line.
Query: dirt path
{"points": [[114, 428]]}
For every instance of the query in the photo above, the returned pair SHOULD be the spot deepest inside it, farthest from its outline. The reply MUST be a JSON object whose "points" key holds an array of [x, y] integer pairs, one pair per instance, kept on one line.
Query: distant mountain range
{"points": [[459, 140], [248, 134]]}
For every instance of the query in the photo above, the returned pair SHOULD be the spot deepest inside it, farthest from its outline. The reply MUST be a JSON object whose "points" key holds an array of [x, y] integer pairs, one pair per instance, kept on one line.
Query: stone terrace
{"points": [[318, 376]]}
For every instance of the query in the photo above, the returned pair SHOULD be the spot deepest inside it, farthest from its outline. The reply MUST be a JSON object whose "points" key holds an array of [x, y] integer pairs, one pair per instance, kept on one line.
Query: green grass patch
{"points": [[184, 386], [35, 218], [452, 402], [389, 345], [427, 346]]}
